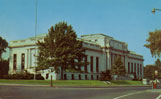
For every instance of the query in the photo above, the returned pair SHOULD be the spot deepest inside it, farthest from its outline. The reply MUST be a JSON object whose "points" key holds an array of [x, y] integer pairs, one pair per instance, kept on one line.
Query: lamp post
{"points": [[154, 10], [156, 73], [35, 38], [155, 81], [51, 77], [154, 84]]}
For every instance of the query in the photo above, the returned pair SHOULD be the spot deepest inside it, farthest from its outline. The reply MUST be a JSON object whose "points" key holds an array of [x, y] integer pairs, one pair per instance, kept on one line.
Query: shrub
{"points": [[105, 75], [135, 77], [25, 76], [5, 76], [39, 77]]}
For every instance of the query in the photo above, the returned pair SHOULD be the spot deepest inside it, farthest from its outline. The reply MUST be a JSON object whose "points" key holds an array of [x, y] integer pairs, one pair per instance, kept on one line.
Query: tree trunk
{"points": [[118, 77], [62, 71]]}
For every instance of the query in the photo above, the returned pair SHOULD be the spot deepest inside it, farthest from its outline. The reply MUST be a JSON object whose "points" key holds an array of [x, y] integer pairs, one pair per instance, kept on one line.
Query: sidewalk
{"points": [[5, 84], [155, 90], [110, 86]]}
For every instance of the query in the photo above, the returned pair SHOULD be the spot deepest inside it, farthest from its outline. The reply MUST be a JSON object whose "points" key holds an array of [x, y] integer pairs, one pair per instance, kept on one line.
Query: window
{"points": [[65, 76], [91, 63], [128, 67], [72, 76], [47, 76], [97, 63], [79, 77], [135, 67], [91, 77], [79, 66], [14, 61], [140, 69], [22, 61], [97, 77], [131, 67], [72, 63], [86, 77], [85, 68]]}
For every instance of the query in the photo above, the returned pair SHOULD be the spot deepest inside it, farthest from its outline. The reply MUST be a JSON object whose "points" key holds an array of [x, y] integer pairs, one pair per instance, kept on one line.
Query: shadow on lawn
{"points": [[121, 82]]}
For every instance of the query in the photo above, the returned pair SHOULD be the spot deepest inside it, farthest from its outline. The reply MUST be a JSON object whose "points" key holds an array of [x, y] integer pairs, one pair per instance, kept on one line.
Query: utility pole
{"points": [[35, 39]]}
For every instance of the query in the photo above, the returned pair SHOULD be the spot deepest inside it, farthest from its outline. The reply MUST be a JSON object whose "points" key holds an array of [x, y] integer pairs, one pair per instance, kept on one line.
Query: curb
{"points": [[4, 84], [29, 85], [97, 86], [154, 90]]}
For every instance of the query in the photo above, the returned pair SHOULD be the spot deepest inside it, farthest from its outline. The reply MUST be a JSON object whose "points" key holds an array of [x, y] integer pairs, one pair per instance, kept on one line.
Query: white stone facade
{"points": [[100, 50]]}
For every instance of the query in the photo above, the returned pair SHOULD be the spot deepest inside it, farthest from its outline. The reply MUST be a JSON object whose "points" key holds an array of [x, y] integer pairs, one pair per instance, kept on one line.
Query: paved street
{"points": [[31, 92]]}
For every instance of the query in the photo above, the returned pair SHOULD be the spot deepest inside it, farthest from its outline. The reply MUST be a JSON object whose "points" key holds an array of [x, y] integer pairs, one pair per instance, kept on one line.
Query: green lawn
{"points": [[126, 82], [71, 82]]}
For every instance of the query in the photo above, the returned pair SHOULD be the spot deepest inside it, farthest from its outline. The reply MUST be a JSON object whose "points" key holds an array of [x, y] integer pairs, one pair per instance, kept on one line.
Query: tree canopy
{"points": [[118, 68], [154, 43], [4, 67], [150, 69], [158, 63], [4, 64], [61, 49], [3, 46], [105, 75]]}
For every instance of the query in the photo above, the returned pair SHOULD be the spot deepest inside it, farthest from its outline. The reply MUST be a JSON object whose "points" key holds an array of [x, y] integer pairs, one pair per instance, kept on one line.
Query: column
{"points": [[109, 60], [126, 61], [27, 57]]}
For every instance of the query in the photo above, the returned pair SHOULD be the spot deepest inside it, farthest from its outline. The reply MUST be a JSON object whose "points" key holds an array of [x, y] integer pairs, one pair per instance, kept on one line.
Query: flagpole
{"points": [[35, 38]]}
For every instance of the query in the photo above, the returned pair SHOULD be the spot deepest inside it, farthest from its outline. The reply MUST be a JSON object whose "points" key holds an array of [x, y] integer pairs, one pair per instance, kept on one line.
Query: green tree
{"points": [[3, 63], [4, 67], [61, 49], [154, 43], [158, 63], [3, 46], [105, 75], [149, 71], [118, 68], [158, 67]]}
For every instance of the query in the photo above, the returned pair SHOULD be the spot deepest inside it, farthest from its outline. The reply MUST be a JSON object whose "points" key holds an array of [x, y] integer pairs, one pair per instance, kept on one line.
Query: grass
{"points": [[34, 82], [126, 82], [72, 82], [79, 83]]}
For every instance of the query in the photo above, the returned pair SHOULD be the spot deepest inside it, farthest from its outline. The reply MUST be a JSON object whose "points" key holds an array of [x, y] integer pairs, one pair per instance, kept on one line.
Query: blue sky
{"points": [[126, 20]]}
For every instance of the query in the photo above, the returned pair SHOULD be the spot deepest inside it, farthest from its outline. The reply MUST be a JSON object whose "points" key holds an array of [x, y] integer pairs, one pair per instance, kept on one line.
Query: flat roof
{"points": [[95, 34]]}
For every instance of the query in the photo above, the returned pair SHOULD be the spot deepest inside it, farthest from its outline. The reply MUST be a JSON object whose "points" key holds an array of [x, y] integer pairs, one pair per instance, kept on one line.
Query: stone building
{"points": [[101, 51]]}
